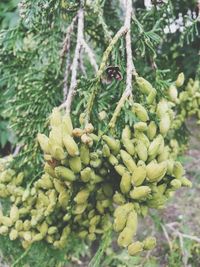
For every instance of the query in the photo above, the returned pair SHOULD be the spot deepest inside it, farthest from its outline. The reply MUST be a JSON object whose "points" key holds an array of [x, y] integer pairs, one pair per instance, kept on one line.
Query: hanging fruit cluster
{"points": [[93, 182]]}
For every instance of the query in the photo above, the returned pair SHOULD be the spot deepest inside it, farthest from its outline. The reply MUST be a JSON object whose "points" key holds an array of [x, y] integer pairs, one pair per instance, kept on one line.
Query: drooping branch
{"points": [[74, 66], [130, 68], [122, 31]]}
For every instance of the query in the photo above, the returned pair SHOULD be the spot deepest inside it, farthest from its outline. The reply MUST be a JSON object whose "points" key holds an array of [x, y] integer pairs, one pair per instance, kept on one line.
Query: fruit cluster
{"points": [[93, 182]]}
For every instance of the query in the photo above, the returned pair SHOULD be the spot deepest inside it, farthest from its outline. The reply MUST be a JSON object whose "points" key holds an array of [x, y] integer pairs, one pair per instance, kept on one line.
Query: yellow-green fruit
{"points": [[118, 198], [140, 192], [164, 155], [49, 170], [151, 96], [119, 222], [178, 170], [105, 151], [149, 243], [85, 154], [113, 144], [135, 248], [175, 183], [70, 145], [126, 133], [143, 138], [164, 124], [144, 86], [14, 213], [55, 117], [63, 198], [67, 126], [79, 209], [86, 174], [128, 144], [156, 171], [141, 150], [152, 129], [132, 221], [173, 93], [125, 184], [140, 112], [155, 145], [125, 237], [45, 182], [44, 142], [186, 182], [13, 234], [3, 230], [180, 80], [57, 152], [82, 196], [113, 160], [55, 136], [6, 221], [59, 186], [128, 160], [65, 174], [139, 175], [120, 169], [75, 164], [123, 208], [140, 126]]}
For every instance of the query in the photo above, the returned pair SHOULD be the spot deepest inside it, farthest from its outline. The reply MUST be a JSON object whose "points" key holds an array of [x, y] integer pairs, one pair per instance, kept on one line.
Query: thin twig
{"points": [[74, 66], [90, 54], [130, 68], [167, 236]]}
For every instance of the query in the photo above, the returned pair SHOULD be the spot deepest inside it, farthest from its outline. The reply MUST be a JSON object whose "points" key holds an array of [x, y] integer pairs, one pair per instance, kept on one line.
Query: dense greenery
{"points": [[32, 68]]}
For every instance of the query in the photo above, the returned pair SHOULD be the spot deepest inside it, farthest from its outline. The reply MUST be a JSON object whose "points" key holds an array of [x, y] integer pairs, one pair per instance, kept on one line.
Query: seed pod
{"points": [[135, 248], [164, 124], [65, 174], [143, 138], [140, 126], [45, 182], [86, 174], [48, 169], [57, 152], [126, 133], [113, 144], [151, 97], [149, 243], [144, 86], [82, 196], [6, 221], [63, 199], [105, 151], [55, 136], [96, 163], [13, 234], [52, 230], [75, 164], [173, 93], [140, 192], [152, 129], [44, 142], [139, 175], [132, 222], [186, 182], [120, 222], [144, 210], [27, 225], [125, 184], [55, 118], [120, 169], [67, 126], [162, 108], [125, 237], [141, 150], [128, 160], [140, 112], [156, 171], [118, 198], [3, 230], [19, 225], [113, 160], [79, 209], [43, 228], [89, 128], [164, 155], [87, 140], [85, 154], [128, 144], [77, 132], [178, 170], [14, 213], [180, 80], [59, 186], [176, 183], [155, 145], [70, 145], [37, 237]]}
